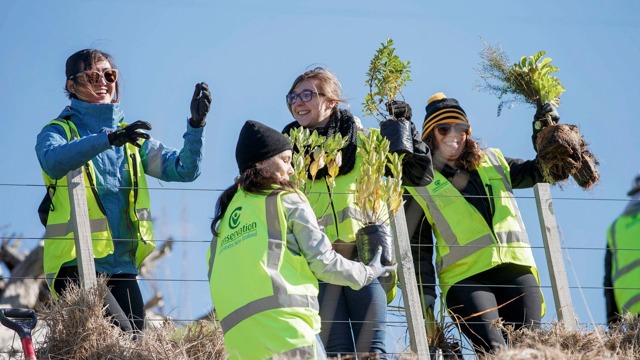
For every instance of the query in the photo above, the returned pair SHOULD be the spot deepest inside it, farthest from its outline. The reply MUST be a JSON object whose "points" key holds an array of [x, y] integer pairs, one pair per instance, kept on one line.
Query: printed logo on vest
{"points": [[438, 184], [234, 219]]}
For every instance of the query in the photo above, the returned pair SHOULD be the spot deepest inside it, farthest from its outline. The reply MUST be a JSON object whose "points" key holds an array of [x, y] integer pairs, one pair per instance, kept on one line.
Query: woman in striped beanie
{"points": [[484, 262]]}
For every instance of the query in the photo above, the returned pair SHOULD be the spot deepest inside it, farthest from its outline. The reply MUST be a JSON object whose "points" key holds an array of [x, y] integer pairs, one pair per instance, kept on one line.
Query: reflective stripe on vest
{"points": [[59, 243], [304, 352], [279, 292], [465, 248], [625, 262]]}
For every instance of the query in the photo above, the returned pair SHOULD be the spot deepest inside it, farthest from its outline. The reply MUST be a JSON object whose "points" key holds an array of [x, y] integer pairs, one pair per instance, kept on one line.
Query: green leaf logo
{"points": [[234, 219]]}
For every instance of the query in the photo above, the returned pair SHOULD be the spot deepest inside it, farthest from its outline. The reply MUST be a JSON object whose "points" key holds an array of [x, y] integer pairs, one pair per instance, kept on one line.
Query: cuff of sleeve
{"points": [[370, 274]]}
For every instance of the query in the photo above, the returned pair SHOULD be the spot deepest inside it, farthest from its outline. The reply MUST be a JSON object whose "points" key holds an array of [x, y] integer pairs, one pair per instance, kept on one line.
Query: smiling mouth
{"points": [[303, 112]]}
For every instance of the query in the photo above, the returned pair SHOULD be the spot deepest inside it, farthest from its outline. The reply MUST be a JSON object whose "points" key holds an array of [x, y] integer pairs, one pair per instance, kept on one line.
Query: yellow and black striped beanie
{"points": [[442, 110]]}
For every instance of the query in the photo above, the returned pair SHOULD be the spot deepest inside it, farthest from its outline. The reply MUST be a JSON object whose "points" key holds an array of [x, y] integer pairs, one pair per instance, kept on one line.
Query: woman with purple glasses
{"points": [[91, 133], [486, 269], [348, 314]]}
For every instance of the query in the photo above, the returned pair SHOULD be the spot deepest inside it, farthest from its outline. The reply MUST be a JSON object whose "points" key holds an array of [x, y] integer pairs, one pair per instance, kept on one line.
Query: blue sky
{"points": [[250, 52]]}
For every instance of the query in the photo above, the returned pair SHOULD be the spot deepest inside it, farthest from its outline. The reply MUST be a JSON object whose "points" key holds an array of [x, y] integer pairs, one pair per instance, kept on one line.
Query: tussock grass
{"points": [[78, 330]]}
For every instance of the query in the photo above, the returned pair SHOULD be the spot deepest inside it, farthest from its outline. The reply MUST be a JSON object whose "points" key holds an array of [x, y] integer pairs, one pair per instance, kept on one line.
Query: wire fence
{"points": [[396, 322]]}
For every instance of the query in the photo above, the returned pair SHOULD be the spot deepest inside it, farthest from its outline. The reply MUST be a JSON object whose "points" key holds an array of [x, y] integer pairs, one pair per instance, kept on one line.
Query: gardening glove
{"points": [[545, 115], [378, 268], [130, 134], [399, 110], [200, 105], [396, 129], [429, 302]]}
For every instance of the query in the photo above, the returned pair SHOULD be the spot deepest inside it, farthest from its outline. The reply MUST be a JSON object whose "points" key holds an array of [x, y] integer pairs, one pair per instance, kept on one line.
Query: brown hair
{"points": [[471, 154], [256, 180], [329, 84], [87, 59]]}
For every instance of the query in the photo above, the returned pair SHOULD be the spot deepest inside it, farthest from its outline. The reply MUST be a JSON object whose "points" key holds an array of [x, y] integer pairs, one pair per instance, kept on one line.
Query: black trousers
{"points": [[123, 303], [512, 288]]}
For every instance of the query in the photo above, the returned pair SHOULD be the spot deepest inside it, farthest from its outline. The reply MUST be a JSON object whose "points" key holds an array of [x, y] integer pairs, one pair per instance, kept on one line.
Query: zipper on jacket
{"points": [[333, 210], [134, 165], [491, 206], [92, 186]]}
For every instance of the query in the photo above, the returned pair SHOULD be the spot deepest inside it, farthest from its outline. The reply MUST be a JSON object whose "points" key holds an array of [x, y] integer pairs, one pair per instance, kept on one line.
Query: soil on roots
{"points": [[562, 152]]}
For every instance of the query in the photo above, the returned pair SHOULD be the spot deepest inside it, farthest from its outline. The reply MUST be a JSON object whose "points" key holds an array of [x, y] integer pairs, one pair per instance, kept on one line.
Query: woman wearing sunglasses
{"points": [[347, 314], [91, 133], [486, 269], [266, 235]]}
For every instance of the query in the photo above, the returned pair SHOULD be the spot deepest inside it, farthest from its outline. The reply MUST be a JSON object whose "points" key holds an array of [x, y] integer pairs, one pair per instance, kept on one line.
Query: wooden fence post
{"points": [[407, 277], [555, 260], [81, 228]]}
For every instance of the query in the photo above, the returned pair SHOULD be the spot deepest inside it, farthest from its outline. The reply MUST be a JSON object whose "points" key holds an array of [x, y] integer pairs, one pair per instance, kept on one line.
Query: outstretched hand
{"points": [[378, 268], [130, 134], [200, 105], [399, 110]]}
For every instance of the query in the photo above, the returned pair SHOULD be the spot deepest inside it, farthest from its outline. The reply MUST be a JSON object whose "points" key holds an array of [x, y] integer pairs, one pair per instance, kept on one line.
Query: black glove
{"points": [[399, 110], [545, 115], [130, 134], [200, 105], [396, 131]]}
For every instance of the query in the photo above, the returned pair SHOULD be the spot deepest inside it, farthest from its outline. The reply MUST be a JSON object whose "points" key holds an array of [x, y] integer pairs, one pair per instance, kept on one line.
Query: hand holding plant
{"points": [[562, 151]]}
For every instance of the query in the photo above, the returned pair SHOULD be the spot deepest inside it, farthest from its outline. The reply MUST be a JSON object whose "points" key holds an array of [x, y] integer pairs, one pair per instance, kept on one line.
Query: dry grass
{"points": [[621, 342], [78, 330]]}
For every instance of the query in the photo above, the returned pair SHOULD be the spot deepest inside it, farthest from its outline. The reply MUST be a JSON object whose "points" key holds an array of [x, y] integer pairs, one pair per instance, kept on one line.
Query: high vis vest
{"points": [[622, 238], [265, 295], [59, 243], [465, 244], [339, 216], [337, 212]]}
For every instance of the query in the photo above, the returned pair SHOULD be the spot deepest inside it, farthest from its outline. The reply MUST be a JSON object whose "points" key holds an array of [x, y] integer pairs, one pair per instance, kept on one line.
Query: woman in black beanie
{"points": [[268, 253], [313, 101], [486, 269]]}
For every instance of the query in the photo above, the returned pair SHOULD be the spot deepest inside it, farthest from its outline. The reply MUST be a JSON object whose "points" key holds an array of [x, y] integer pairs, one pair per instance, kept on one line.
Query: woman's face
{"points": [[280, 164], [315, 112], [450, 140], [94, 88]]}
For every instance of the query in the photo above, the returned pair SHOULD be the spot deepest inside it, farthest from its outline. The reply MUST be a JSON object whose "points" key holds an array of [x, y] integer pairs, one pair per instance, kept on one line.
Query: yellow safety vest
{"points": [[465, 244], [265, 295], [622, 237], [59, 244], [339, 216]]}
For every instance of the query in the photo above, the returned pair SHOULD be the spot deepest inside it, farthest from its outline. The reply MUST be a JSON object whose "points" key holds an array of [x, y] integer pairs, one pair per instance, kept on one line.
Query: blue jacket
{"points": [[57, 157]]}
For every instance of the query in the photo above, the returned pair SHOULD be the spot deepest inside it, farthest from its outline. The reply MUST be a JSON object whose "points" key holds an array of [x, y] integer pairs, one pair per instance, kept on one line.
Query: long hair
{"points": [[471, 154], [86, 60], [256, 180]]}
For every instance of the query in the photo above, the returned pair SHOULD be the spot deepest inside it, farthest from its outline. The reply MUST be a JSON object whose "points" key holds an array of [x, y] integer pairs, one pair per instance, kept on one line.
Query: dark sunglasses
{"points": [[445, 129], [93, 76], [304, 96]]}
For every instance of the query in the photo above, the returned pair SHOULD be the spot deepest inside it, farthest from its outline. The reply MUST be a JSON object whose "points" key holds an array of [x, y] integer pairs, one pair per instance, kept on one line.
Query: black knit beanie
{"points": [[442, 110], [258, 142]]}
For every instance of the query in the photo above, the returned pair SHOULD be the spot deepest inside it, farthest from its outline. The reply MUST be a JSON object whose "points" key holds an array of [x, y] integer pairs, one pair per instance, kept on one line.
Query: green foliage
{"points": [[312, 152], [528, 81], [373, 189], [386, 76]]}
